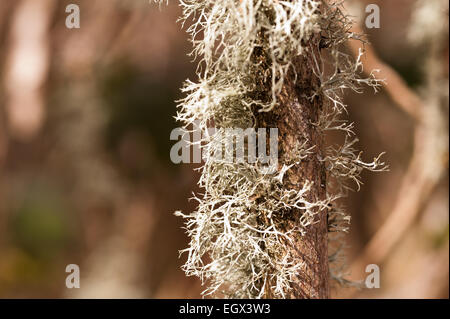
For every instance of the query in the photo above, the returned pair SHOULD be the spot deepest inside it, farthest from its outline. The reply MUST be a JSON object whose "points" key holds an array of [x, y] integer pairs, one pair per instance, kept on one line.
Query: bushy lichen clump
{"points": [[237, 232]]}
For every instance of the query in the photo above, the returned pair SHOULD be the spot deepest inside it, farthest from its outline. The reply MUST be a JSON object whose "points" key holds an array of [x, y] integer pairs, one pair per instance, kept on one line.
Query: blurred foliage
{"points": [[41, 225], [140, 105]]}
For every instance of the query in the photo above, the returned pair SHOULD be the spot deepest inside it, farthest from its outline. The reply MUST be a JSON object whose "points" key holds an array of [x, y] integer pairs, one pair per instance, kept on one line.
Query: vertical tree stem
{"points": [[295, 118]]}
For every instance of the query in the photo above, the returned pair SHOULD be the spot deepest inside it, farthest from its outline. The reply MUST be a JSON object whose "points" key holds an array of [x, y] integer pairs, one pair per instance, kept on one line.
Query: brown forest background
{"points": [[85, 173]]}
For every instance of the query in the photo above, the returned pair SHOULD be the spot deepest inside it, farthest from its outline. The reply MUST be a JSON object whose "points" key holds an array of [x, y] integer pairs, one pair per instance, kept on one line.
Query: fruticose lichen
{"points": [[236, 233]]}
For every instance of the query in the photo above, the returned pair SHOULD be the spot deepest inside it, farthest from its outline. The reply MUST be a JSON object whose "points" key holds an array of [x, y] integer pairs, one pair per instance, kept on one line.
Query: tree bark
{"points": [[294, 118]]}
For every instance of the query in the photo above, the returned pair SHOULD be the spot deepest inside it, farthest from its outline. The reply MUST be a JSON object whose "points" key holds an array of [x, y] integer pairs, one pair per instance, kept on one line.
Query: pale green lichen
{"points": [[238, 234]]}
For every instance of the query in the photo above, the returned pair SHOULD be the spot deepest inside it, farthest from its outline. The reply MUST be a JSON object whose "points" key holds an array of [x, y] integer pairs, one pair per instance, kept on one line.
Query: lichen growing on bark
{"points": [[246, 51]]}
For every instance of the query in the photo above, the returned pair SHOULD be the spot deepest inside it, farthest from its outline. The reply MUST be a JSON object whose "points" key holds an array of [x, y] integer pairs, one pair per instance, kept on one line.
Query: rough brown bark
{"points": [[294, 118]]}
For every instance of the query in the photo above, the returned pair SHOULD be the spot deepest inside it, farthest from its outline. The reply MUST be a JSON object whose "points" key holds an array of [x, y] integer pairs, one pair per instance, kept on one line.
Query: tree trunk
{"points": [[294, 118]]}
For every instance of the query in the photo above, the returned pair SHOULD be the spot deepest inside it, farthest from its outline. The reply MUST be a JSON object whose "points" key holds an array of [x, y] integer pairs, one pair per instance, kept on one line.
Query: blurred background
{"points": [[85, 173]]}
